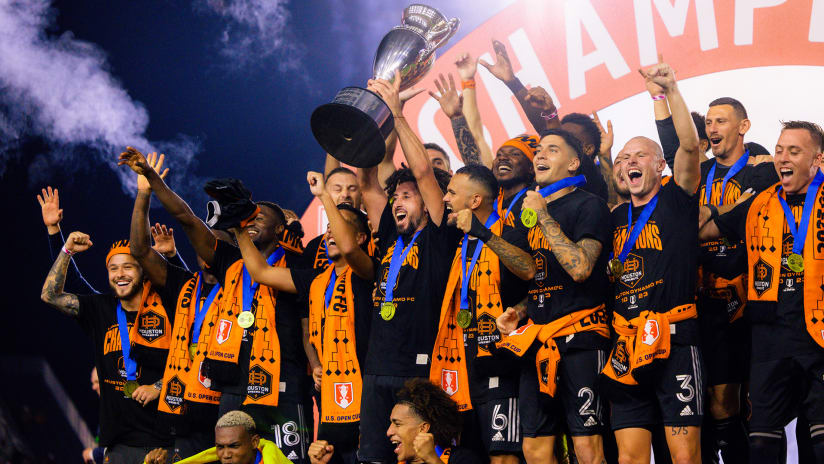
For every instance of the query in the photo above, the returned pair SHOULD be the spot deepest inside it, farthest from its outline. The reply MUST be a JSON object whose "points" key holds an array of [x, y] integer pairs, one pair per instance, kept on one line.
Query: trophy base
{"points": [[354, 127]]}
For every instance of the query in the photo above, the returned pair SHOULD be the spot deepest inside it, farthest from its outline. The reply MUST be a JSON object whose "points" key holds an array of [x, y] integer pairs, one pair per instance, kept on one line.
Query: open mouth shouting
{"points": [[504, 167], [634, 177], [785, 173]]}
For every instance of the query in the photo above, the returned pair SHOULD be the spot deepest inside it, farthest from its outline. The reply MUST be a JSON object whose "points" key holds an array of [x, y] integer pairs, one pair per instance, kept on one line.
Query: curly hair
{"points": [[433, 406], [405, 175]]}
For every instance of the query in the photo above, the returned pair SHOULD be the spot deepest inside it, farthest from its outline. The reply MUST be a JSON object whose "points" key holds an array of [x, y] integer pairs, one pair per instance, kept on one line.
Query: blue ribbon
{"points": [[128, 362], [800, 233], [738, 166], [512, 203], [200, 311], [249, 287], [561, 184], [395, 264], [258, 457], [635, 232], [326, 250], [467, 273], [330, 288], [439, 450]]}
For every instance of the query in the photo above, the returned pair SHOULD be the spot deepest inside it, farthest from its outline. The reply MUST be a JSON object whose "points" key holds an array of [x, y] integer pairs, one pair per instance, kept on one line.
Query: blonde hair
{"points": [[237, 419]]}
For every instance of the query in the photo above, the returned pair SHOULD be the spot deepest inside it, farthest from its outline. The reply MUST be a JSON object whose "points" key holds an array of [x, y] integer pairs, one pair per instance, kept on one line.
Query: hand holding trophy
{"points": [[353, 127]]}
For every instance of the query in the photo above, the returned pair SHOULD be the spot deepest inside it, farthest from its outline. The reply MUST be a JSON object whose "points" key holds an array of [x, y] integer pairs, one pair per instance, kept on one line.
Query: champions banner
{"points": [[767, 53]]}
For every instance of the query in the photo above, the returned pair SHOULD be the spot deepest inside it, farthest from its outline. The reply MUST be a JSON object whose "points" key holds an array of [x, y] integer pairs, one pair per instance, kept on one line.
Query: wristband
{"points": [[468, 84], [67, 251], [549, 116], [713, 211], [479, 230], [658, 97]]}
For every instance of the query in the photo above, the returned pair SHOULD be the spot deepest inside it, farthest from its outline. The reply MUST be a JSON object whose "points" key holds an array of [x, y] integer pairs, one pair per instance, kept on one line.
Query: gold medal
{"points": [[245, 319], [616, 267], [388, 310], [192, 350], [129, 388], [464, 318], [529, 217], [795, 262]]}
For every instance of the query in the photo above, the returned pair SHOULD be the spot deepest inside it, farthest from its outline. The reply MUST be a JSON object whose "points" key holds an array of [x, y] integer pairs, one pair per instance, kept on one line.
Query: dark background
{"points": [[250, 118]]}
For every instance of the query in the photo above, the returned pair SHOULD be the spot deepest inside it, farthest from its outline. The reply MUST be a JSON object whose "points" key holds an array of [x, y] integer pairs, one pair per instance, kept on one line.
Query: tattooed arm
{"points": [[508, 321], [515, 259], [470, 152], [52, 292]]}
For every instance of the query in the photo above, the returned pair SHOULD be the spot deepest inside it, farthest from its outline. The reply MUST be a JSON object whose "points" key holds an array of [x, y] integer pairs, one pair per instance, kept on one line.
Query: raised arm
{"points": [[52, 292], [372, 194], [577, 258], [686, 167], [413, 150], [199, 234], [467, 67], [279, 278], [164, 243], [139, 242], [605, 157], [451, 103], [387, 166]]}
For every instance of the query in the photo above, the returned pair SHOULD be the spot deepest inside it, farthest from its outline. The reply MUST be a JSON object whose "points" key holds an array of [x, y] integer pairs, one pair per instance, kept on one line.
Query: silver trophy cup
{"points": [[354, 126]]}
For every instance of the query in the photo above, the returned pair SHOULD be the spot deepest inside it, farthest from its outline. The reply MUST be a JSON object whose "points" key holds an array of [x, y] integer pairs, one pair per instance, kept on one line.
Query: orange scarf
{"points": [[448, 356], [549, 357], [183, 379], [641, 341], [766, 226], [291, 241], [151, 335], [332, 333], [263, 384]]}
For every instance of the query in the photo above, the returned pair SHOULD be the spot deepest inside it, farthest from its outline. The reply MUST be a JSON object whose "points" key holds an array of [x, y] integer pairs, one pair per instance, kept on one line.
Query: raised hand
{"points": [[156, 163], [508, 321], [50, 209], [467, 66], [607, 136], [540, 103], [164, 240], [78, 242], [315, 181], [448, 97], [320, 452], [389, 93], [408, 94], [534, 201], [661, 75], [135, 160], [463, 220], [502, 69], [424, 445], [653, 88]]}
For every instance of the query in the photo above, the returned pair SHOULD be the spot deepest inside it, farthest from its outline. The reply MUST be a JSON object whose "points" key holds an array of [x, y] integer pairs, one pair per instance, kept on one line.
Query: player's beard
{"points": [[137, 287]]}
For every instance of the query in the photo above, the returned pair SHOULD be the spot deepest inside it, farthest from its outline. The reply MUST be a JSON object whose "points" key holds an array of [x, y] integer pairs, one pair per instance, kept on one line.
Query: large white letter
{"points": [[817, 21], [578, 14], [675, 20], [744, 18]]}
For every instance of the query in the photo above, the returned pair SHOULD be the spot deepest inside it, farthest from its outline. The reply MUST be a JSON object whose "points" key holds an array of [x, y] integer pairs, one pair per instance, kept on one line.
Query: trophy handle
{"points": [[453, 25]]}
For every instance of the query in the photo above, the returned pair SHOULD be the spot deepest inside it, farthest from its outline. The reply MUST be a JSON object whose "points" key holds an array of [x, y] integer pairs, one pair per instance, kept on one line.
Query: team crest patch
{"points": [[633, 270], [762, 274], [343, 394], [152, 326], [449, 381], [175, 392], [487, 332], [620, 359], [651, 332], [224, 328], [260, 383], [202, 378]]}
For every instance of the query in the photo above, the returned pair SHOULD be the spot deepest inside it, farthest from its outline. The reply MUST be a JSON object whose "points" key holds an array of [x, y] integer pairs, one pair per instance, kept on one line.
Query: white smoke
{"points": [[60, 88]]}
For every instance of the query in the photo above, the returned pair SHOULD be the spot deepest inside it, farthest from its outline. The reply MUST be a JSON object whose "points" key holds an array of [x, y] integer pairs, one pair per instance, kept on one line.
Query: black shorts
{"points": [[675, 397], [377, 400], [728, 342], [492, 427], [577, 397], [285, 425], [784, 388]]}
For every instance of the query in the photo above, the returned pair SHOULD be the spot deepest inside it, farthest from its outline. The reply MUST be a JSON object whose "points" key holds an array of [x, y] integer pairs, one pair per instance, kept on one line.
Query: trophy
{"points": [[354, 126]]}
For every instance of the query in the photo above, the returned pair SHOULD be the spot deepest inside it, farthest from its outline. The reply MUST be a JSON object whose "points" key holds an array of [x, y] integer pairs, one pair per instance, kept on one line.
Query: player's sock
{"points": [[817, 439], [731, 439], [765, 447]]}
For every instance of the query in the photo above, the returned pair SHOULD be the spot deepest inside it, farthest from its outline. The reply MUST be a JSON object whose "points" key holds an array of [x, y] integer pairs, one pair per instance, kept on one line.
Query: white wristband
{"points": [[67, 251]]}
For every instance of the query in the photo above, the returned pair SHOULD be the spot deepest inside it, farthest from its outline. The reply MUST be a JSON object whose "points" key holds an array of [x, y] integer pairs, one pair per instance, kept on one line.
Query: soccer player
{"points": [[488, 274], [782, 232], [568, 232], [655, 365], [417, 247]]}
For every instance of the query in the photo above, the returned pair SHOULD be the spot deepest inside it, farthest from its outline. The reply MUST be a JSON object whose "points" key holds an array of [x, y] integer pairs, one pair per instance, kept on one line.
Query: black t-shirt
{"points": [[516, 207], [287, 324], [778, 329], [403, 345], [717, 258], [314, 254], [362, 294], [496, 376], [122, 420], [661, 270], [463, 455], [553, 292]]}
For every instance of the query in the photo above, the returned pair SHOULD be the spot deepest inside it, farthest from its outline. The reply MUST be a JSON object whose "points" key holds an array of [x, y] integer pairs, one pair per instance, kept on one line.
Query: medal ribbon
{"points": [[395, 264], [512, 203], [326, 246], [800, 233], [738, 166], [635, 232], [249, 287], [467, 273], [563, 183], [200, 311], [258, 457], [128, 362], [330, 288]]}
